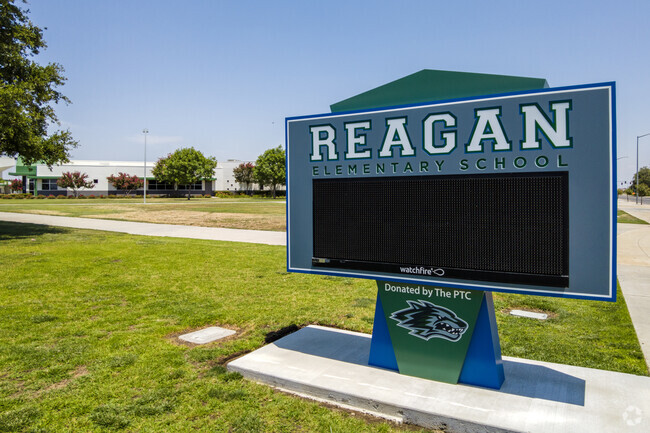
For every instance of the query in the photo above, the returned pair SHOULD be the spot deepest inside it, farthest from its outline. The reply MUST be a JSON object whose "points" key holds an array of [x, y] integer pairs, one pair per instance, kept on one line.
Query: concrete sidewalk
{"points": [[148, 229], [633, 270], [637, 210]]}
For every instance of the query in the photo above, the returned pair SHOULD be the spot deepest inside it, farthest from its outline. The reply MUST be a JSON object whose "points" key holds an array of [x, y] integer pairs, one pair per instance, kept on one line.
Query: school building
{"points": [[40, 179]]}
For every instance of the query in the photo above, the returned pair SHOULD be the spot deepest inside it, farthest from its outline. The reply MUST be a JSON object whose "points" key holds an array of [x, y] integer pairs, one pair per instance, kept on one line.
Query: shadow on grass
{"points": [[10, 230]]}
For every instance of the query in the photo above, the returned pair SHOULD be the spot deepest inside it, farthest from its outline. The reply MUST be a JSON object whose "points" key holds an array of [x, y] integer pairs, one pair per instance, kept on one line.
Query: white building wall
{"points": [[225, 179], [5, 164], [99, 171]]}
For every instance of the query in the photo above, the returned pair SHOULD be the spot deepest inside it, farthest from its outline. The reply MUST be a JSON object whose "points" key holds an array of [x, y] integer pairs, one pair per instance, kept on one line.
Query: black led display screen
{"points": [[511, 228]]}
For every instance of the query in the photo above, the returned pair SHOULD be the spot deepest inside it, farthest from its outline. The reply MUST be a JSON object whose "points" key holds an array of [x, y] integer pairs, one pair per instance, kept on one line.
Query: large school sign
{"points": [[509, 193]]}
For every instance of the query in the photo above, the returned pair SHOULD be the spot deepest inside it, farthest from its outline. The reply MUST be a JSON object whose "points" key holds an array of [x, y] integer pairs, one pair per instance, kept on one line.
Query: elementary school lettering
{"points": [[440, 135]]}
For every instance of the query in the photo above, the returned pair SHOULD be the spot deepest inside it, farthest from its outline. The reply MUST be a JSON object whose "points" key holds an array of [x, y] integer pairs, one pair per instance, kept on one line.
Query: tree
{"points": [[245, 173], [644, 190], [184, 167], [16, 185], [75, 180], [644, 179], [125, 182], [27, 93], [270, 169]]}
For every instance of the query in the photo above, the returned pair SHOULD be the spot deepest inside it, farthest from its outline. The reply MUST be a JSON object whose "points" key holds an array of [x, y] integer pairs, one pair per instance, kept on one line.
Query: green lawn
{"points": [[624, 217], [88, 326]]}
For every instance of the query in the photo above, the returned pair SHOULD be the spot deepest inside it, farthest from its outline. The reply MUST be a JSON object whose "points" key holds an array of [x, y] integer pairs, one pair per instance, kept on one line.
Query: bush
{"points": [[112, 196], [224, 194], [83, 197], [40, 197], [16, 196], [16, 185], [71, 197], [59, 197], [269, 194], [92, 196], [51, 196]]}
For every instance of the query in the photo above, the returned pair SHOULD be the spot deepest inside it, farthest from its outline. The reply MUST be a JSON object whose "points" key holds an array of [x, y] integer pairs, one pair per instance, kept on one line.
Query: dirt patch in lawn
{"points": [[203, 219], [44, 212], [77, 373]]}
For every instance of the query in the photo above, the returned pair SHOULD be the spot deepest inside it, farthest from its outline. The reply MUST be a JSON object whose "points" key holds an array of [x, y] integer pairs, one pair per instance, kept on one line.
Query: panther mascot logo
{"points": [[426, 321]]}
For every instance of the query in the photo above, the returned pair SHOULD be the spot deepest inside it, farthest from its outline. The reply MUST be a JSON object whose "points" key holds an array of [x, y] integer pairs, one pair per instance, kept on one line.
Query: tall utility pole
{"points": [[637, 166], [145, 131]]}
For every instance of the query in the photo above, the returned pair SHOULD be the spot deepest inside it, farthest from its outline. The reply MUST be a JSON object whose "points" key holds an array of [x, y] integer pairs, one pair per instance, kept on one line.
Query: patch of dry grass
{"points": [[246, 214], [45, 212], [202, 219]]}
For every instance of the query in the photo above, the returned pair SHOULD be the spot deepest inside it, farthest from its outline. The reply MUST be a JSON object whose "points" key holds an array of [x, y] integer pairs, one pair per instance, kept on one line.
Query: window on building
{"points": [[155, 185], [192, 186], [48, 185], [30, 185]]}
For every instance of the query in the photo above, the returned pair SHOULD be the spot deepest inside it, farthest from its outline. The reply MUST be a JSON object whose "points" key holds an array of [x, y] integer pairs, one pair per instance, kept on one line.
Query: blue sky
{"points": [[222, 75]]}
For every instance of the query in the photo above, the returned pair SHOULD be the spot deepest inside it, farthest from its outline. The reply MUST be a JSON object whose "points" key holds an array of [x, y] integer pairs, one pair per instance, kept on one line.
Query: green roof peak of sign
{"points": [[432, 85]]}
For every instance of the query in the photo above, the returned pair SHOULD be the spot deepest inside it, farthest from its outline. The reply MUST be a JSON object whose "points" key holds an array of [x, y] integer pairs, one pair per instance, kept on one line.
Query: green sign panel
{"points": [[430, 327]]}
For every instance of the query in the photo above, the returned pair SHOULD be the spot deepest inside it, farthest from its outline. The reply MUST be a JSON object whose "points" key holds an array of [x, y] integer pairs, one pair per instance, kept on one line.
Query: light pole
{"points": [[145, 131], [637, 166]]}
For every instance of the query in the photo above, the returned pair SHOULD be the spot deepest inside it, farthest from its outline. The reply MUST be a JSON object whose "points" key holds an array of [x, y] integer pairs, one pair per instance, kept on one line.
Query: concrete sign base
{"points": [[332, 365]]}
